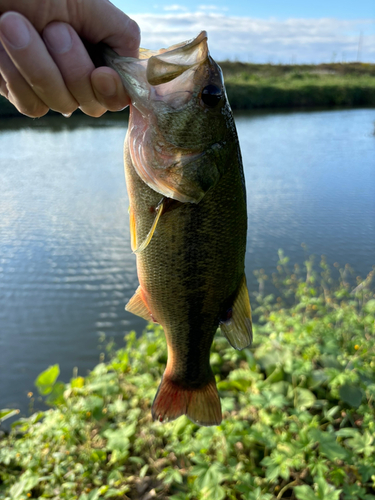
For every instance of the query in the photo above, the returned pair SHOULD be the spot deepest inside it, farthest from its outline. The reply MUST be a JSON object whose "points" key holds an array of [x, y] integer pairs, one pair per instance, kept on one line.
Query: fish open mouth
{"points": [[155, 67]]}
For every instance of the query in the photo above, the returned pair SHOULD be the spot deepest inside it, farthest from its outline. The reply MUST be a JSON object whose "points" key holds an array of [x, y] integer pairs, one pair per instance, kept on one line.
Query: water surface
{"points": [[66, 269]]}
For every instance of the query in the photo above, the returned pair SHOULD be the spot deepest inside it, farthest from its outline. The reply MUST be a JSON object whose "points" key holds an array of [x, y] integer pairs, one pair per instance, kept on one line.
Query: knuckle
{"points": [[133, 34]]}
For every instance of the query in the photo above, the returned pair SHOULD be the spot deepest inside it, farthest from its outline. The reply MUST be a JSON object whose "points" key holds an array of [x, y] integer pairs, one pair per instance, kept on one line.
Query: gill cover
{"points": [[165, 88]]}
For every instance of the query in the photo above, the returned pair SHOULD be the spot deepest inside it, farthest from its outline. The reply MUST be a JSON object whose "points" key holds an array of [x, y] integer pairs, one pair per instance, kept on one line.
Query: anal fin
{"points": [[138, 306], [238, 328], [202, 406]]}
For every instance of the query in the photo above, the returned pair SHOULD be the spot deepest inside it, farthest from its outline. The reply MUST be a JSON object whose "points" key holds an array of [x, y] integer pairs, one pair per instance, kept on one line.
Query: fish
{"points": [[188, 218]]}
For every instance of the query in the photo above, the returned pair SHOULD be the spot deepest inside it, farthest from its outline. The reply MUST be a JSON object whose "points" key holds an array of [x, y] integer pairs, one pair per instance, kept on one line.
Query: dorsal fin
{"points": [[238, 328]]}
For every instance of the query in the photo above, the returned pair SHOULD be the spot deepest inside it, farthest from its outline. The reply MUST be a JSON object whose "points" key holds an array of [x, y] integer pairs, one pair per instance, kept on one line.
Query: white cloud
{"points": [[260, 40], [174, 7], [214, 8]]}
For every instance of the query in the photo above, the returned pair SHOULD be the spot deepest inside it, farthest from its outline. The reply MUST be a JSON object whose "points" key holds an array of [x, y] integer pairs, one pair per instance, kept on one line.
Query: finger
{"points": [[109, 89], [14, 87], [3, 88], [30, 56], [94, 20], [75, 65], [111, 26]]}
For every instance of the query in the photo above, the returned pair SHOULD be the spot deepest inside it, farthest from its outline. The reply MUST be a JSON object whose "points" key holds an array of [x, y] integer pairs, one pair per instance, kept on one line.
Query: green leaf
{"points": [[370, 306], [94, 494], [326, 491], [45, 381], [26, 483], [119, 439], [207, 475], [217, 492], [362, 443], [77, 382], [304, 492], [171, 475], [144, 470], [180, 496], [4, 414], [328, 445], [303, 398], [347, 432], [56, 396], [351, 394]]}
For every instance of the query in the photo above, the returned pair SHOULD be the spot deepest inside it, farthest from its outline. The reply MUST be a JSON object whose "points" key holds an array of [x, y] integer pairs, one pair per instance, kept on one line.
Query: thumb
{"points": [[103, 22]]}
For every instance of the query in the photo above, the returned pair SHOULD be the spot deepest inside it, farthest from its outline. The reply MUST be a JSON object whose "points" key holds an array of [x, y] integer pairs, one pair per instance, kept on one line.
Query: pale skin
{"points": [[44, 63]]}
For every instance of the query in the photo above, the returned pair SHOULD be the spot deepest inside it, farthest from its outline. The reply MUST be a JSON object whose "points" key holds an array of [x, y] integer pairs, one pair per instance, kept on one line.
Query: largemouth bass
{"points": [[188, 218]]}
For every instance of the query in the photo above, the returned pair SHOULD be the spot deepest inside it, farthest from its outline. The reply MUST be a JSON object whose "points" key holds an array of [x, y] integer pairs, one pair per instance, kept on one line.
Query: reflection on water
{"points": [[66, 270]]}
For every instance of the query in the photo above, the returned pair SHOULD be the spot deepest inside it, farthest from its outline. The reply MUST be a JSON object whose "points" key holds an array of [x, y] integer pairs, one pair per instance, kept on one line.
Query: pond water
{"points": [[66, 269]]}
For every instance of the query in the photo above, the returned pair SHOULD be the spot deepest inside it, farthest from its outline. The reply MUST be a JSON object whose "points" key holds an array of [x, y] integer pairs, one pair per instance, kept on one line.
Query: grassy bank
{"points": [[298, 411], [252, 86]]}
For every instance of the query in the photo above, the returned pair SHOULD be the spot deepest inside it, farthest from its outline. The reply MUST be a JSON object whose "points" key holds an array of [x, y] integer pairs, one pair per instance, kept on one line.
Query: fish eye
{"points": [[211, 95]]}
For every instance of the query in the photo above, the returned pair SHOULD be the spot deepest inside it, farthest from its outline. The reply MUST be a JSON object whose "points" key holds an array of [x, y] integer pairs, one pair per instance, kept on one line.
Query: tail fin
{"points": [[172, 400]]}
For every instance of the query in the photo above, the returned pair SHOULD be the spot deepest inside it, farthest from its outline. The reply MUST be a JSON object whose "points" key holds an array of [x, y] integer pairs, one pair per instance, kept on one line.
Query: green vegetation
{"points": [[252, 86], [293, 86], [298, 411]]}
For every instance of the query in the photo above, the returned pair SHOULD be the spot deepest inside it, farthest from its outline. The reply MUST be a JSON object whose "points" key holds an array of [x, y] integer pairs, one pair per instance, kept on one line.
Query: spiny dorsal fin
{"points": [[238, 329], [146, 242], [138, 306]]}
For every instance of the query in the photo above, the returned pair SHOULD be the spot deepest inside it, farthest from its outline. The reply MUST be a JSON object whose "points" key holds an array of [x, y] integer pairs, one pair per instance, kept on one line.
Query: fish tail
{"points": [[201, 406]]}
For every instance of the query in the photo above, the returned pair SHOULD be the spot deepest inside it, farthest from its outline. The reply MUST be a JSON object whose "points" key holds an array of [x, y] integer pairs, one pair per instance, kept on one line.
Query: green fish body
{"points": [[188, 218]]}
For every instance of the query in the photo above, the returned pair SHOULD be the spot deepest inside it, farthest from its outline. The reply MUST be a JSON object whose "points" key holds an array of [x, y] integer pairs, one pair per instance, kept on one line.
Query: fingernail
{"points": [[58, 38], [106, 85], [15, 30]]}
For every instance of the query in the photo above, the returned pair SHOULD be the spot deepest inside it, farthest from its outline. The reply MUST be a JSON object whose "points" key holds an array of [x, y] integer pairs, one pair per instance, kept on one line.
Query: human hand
{"points": [[44, 63]]}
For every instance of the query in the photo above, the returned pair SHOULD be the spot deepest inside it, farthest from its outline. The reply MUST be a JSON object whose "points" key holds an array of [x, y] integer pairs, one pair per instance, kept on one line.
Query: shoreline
{"points": [[268, 86]]}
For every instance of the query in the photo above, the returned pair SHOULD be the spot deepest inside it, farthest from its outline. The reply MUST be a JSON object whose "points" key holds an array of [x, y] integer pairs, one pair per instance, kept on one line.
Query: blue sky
{"points": [[340, 9], [263, 30]]}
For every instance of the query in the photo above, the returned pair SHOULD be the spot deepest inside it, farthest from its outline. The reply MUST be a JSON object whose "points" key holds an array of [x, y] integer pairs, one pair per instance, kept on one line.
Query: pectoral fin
{"points": [[238, 327], [146, 241], [133, 230], [137, 305]]}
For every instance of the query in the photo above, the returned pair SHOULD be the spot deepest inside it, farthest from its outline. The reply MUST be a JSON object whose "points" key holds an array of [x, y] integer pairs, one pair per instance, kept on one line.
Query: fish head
{"points": [[180, 119]]}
